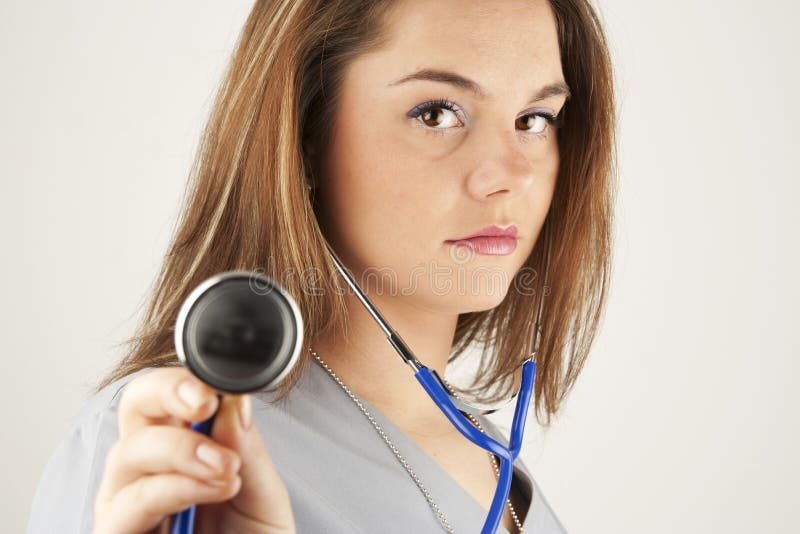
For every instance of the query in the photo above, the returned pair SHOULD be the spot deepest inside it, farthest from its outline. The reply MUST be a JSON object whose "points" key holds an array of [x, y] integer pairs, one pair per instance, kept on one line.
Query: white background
{"points": [[685, 418]]}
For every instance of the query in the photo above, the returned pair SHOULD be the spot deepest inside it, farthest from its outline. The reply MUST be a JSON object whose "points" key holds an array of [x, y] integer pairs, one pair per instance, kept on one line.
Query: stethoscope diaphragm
{"points": [[239, 332]]}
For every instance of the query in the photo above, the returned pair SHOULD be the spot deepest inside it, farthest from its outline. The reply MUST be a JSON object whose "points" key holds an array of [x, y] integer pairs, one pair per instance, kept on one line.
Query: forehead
{"points": [[490, 42]]}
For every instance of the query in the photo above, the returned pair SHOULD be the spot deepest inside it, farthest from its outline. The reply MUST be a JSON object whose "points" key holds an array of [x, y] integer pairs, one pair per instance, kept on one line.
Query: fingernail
{"points": [[190, 395], [246, 411], [209, 456]]}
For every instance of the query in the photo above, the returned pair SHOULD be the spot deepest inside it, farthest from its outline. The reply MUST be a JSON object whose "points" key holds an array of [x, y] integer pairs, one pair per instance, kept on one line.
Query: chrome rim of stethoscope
{"points": [[409, 358], [259, 284]]}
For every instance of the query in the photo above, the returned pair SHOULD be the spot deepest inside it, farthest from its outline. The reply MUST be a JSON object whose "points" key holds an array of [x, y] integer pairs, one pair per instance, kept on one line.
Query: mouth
{"points": [[489, 241], [487, 245], [492, 231]]}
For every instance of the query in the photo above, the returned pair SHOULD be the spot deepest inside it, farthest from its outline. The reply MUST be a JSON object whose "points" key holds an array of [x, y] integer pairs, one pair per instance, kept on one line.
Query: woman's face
{"points": [[417, 160]]}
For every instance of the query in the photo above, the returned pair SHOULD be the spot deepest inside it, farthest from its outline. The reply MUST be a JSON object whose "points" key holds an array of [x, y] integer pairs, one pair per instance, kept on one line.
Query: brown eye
{"points": [[437, 115], [439, 118]]}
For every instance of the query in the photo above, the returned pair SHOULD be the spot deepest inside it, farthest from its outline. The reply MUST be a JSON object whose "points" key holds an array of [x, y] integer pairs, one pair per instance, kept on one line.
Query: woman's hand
{"points": [[159, 466]]}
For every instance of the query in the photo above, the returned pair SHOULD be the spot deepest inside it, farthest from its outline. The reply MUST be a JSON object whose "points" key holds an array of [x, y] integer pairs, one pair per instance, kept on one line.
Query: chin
{"points": [[458, 304], [482, 303]]}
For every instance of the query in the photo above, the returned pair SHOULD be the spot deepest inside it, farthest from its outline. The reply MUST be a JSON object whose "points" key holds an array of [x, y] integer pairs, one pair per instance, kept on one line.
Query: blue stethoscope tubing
{"points": [[183, 522], [508, 454]]}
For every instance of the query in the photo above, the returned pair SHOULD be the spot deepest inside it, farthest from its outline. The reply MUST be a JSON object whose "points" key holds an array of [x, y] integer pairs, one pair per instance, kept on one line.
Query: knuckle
{"points": [[114, 455], [134, 391], [186, 441], [156, 445], [185, 490], [233, 487], [193, 392], [153, 381], [138, 492], [151, 492]]}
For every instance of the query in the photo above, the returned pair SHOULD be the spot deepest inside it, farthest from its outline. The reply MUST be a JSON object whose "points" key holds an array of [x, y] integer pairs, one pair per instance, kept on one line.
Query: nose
{"points": [[501, 168]]}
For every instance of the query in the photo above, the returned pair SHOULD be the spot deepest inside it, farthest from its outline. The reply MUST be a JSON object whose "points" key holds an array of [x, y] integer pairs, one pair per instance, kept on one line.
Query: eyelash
{"points": [[553, 122]]}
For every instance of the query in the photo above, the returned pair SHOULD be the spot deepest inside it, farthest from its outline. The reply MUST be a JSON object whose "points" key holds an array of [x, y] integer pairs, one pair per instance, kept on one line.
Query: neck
{"points": [[369, 365]]}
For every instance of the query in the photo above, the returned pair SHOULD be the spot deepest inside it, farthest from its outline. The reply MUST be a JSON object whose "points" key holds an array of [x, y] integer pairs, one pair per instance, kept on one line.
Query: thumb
{"points": [[263, 496]]}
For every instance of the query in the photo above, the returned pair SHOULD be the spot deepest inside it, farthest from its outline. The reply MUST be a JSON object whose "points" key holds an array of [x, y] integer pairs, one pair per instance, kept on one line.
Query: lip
{"points": [[491, 231], [488, 245], [489, 241]]}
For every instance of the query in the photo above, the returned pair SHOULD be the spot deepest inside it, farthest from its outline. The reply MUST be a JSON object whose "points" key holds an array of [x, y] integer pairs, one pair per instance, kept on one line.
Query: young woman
{"points": [[393, 130]]}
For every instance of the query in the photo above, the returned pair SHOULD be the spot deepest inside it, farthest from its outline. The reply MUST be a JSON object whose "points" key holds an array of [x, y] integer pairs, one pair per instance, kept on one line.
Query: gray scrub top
{"points": [[341, 476]]}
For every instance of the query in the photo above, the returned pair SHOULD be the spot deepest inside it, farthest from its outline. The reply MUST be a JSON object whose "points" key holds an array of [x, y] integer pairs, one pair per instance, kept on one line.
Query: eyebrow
{"points": [[433, 75]]}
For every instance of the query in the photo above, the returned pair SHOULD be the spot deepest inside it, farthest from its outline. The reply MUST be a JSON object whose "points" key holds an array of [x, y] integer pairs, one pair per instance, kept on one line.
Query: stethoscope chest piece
{"points": [[239, 332]]}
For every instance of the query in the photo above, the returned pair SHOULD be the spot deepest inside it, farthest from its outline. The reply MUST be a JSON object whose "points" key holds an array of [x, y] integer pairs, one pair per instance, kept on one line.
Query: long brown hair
{"points": [[246, 205]]}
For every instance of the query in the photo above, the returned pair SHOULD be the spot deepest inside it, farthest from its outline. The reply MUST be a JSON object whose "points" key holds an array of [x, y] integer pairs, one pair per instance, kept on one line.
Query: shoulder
{"points": [[65, 493]]}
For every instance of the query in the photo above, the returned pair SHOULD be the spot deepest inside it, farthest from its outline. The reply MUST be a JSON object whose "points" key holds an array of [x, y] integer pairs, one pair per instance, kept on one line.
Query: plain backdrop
{"points": [[685, 418]]}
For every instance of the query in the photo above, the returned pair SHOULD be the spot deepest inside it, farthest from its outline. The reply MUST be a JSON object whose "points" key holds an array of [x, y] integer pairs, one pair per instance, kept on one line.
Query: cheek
{"points": [[550, 175], [545, 160], [377, 204]]}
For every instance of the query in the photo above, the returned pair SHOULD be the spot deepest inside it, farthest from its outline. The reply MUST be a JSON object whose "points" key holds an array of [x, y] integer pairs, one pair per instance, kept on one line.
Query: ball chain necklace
{"points": [[428, 497]]}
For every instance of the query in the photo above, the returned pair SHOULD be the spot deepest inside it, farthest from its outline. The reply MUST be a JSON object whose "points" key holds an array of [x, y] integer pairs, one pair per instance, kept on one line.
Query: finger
{"points": [[160, 449], [263, 495], [142, 505], [163, 395]]}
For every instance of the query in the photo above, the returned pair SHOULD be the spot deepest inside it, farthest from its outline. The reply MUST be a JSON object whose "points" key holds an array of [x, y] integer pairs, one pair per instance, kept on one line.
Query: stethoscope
{"points": [[240, 331]]}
